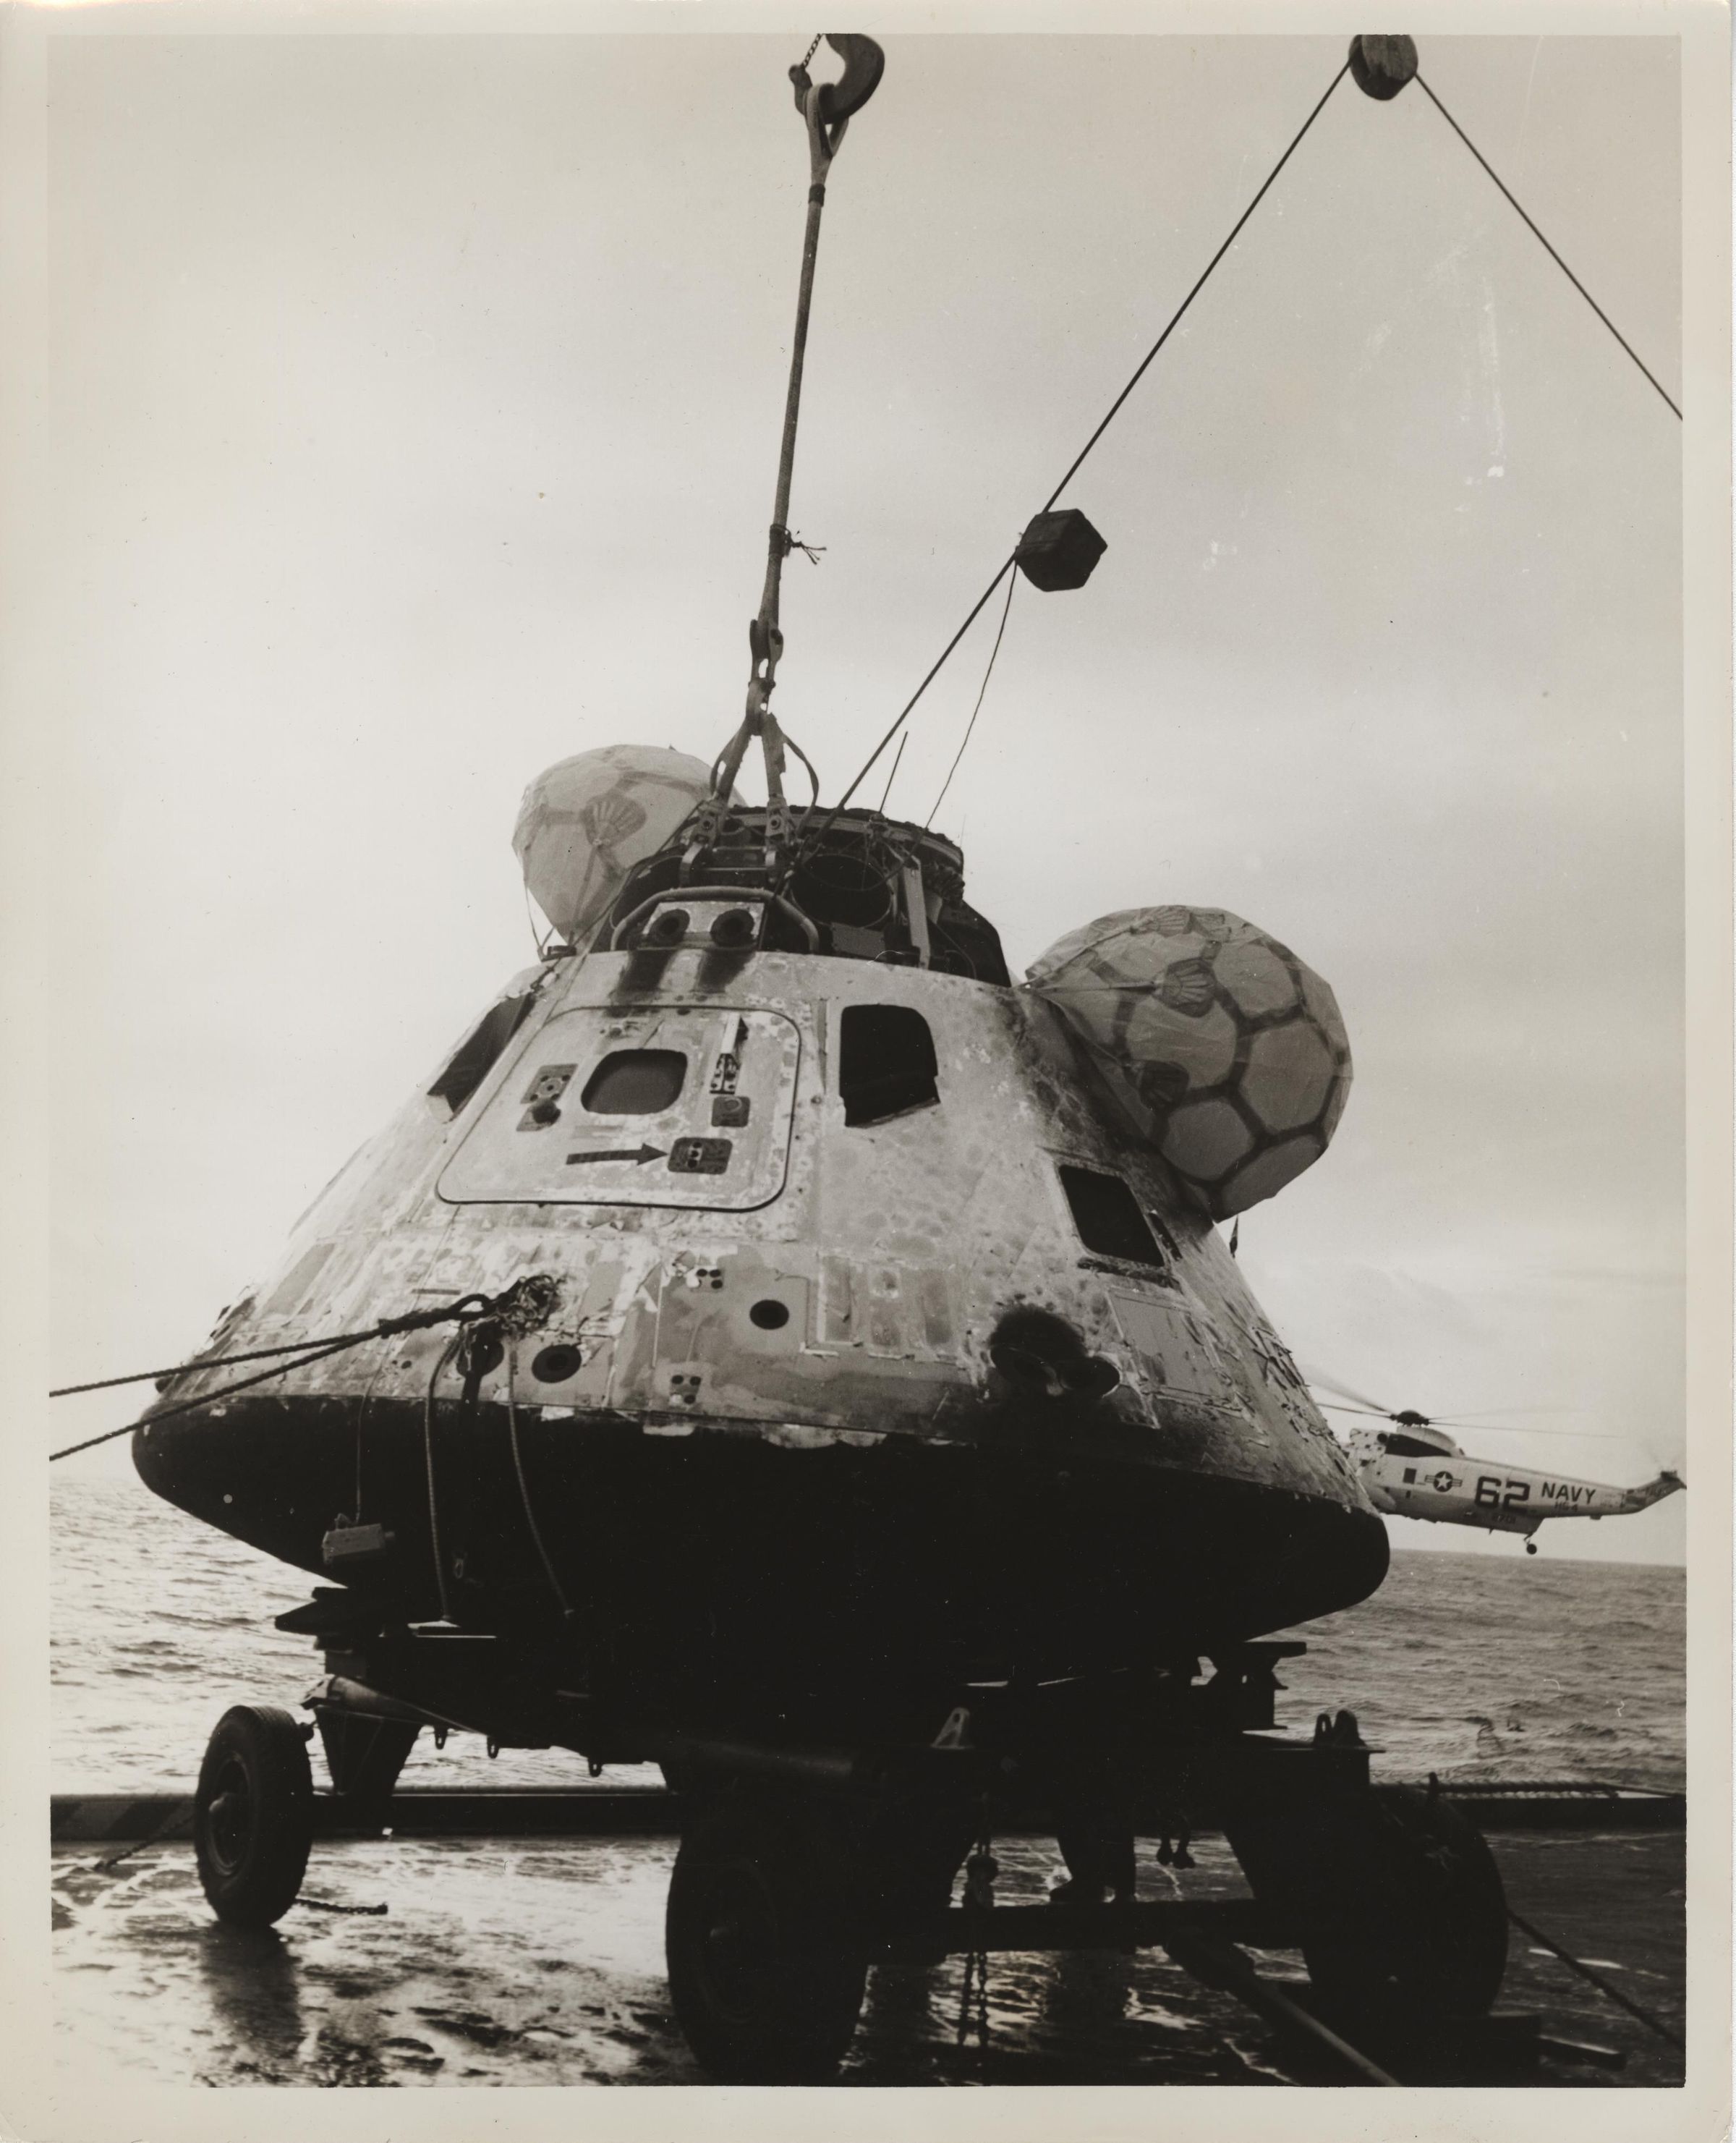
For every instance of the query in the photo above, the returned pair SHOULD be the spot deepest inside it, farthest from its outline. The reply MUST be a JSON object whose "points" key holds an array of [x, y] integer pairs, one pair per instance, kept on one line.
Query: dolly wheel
{"points": [[253, 1815], [766, 1984], [1433, 1915]]}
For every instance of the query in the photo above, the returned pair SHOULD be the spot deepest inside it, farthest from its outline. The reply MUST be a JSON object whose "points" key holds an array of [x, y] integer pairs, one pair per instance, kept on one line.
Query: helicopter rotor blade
{"points": [[1483, 1428], [1344, 1391], [1474, 1424], [1513, 1428], [1495, 1413]]}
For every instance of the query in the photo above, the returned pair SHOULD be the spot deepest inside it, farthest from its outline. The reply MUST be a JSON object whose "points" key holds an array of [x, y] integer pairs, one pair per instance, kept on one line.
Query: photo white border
{"points": [[41, 2107]]}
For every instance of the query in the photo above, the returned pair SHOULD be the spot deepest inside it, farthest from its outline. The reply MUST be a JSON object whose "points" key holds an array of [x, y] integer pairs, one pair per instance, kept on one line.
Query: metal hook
{"points": [[865, 64]]}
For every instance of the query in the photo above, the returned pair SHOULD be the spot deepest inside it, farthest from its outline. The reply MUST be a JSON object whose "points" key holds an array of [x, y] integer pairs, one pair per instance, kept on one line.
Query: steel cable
{"points": [[1544, 242], [1011, 563], [1078, 460]]}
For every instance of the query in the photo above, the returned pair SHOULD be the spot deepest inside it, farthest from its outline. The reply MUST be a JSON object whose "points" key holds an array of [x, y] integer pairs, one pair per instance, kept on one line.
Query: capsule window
{"points": [[886, 1063], [634, 1082], [477, 1056], [1108, 1218]]}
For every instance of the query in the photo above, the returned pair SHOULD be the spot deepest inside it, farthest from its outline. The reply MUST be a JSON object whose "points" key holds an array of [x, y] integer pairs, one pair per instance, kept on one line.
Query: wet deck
{"points": [[535, 1961]]}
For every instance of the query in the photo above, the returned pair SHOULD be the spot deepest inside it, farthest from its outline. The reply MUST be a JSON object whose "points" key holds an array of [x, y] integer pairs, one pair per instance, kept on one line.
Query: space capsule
{"points": [[877, 1340]]}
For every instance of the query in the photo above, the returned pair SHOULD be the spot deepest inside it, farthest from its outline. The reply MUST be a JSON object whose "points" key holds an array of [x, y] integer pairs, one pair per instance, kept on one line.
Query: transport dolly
{"points": [[802, 1864]]}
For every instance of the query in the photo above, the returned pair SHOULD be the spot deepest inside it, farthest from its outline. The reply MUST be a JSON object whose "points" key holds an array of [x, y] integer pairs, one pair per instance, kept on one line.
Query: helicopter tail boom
{"points": [[1648, 1492]]}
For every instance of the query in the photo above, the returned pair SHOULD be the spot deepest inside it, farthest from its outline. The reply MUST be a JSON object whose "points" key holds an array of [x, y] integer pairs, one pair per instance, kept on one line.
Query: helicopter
{"points": [[1416, 1470], [776, 1344]]}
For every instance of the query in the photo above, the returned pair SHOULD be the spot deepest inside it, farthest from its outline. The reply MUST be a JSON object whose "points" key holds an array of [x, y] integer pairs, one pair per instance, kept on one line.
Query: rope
{"points": [[1011, 584], [1543, 241], [898, 760], [524, 1493], [186, 1405], [540, 941], [1079, 458], [427, 1442], [386, 1328], [305, 1351], [811, 551], [1652, 2022], [975, 611], [791, 744]]}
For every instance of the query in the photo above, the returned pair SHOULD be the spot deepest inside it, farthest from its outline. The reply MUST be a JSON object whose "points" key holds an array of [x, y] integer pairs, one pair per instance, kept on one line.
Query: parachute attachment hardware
{"points": [[1381, 67], [1059, 551]]}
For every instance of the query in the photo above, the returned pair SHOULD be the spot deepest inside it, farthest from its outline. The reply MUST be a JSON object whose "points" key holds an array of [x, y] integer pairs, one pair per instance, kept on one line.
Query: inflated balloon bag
{"points": [[587, 822], [1227, 1051]]}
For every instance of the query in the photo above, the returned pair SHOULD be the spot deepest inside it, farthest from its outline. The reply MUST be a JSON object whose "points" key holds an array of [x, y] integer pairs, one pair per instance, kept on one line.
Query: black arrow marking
{"points": [[637, 1153]]}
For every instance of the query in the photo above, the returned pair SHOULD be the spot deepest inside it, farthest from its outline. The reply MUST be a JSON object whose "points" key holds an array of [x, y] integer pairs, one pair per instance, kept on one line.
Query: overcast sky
{"points": [[416, 403]]}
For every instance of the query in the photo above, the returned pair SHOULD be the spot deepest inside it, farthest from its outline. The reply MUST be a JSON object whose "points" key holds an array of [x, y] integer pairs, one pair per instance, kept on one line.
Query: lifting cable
{"points": [[466, 1310], [1543, 241], [1011, 564], [1079, 458]]}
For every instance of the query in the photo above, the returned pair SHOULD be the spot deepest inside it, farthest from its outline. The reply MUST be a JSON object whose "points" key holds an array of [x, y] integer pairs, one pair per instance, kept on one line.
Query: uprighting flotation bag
{"points": [[1228, 1052], [589, 819]]}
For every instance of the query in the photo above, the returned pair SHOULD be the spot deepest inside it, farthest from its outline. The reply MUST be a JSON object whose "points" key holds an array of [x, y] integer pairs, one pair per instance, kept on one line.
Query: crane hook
{"points": [[865, 64]]}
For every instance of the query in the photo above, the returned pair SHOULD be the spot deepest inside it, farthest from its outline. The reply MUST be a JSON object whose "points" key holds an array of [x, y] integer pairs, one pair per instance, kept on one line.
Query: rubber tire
{"points": [[1435, 1935], [252, 1856], [780, 2005]]}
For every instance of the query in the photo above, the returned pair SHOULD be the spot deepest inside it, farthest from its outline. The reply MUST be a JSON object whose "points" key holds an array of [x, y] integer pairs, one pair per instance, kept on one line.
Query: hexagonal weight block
{"points": [[1059, 550]]}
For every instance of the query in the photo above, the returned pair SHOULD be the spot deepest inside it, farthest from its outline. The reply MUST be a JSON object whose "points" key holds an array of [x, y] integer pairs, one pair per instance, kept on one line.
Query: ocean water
{"points": [[1468, 1666]]}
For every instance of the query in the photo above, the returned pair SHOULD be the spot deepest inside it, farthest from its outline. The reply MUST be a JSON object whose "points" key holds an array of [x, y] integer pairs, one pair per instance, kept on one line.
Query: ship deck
{"points": [[537, 1960]]}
